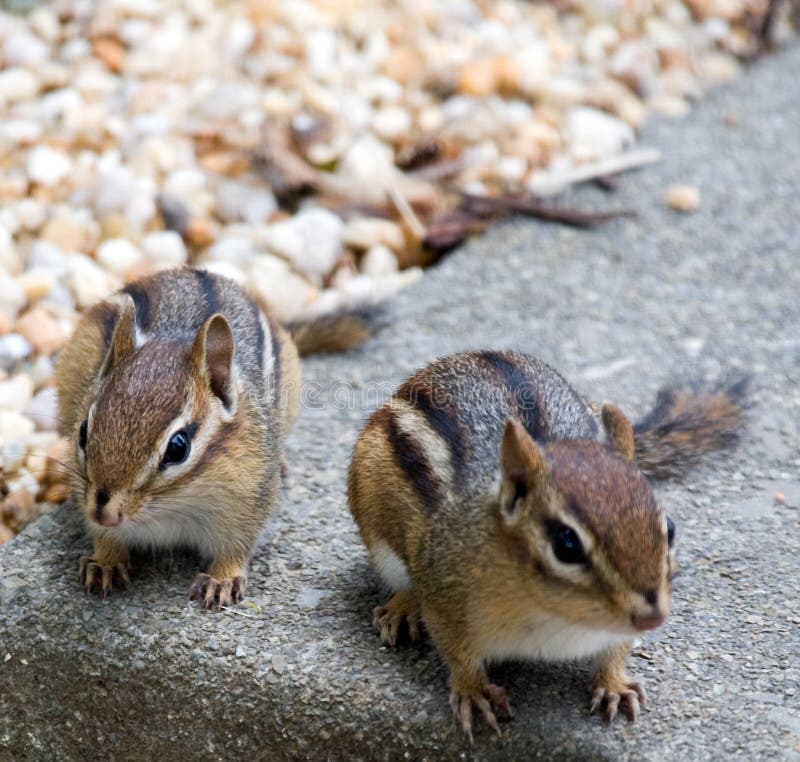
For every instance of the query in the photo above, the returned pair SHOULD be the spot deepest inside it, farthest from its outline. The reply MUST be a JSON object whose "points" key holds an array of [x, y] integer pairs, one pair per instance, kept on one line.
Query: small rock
{"points": [[88, 282], [279, 663], [235, 250], [44, 332], [391, 123], [238, 201], [378, 261], [316, 242], [18, 510], [174, 212], [23, 49], [13, 349], [14, 426], [166, 247], [12, 296], [593, 134], [200, 232], [118, 255], [36, 283], [43, 410], [17, 84], [65, 232], [15, 393], [363, 232], [683, 197], [48, 166]]}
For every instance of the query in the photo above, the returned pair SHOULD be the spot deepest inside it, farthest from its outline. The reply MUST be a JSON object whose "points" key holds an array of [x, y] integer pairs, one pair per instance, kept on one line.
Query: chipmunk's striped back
{"points": [[445, 424]]}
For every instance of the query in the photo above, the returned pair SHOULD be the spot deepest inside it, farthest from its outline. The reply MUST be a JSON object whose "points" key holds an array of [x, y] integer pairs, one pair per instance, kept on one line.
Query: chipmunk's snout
{"points": [[105, 510], [653, 613]]}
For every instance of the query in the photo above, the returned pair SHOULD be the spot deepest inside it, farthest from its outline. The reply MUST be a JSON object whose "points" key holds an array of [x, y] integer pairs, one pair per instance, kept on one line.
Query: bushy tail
{"points": [[687, 423], [329, 333]]}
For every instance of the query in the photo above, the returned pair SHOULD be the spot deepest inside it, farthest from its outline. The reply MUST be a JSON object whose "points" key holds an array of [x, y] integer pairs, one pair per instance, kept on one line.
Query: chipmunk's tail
{"points": [[687, 423], [330, 333]]}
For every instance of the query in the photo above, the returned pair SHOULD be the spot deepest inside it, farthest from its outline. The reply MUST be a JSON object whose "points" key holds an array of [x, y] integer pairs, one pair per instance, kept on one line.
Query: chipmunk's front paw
{"points": [[102, 578], [217, 592], [388, 619], [614, 695], [486, 699]]}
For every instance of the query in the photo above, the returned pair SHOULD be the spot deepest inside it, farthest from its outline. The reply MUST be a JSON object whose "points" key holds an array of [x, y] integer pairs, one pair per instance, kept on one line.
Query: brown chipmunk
{"points": [[177, 394], [559, 551]]}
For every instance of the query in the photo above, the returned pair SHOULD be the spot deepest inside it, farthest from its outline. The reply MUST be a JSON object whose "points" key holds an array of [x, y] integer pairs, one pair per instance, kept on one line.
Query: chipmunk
{"points": [[515, 520], [177, 394]]}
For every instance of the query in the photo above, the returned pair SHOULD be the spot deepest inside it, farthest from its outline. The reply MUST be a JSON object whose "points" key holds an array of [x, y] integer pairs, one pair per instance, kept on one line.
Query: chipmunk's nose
{"points": [[657, 605], [104, 516]]}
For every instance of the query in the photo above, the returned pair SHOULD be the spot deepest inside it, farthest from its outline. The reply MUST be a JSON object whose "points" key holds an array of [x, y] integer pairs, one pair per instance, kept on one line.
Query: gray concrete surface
{"points": [[297, 672]]}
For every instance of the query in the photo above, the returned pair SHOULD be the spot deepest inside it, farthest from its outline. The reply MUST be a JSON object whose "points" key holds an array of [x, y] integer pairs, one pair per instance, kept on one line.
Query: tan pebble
{"points": [[200, 232], [36, 283], [364, 232], [65, 233], [780, 498], [18, 510], [683, 198], [56, 493], [478, 77], [44, 332], [5, 534], [143, 268], [111, 52]]}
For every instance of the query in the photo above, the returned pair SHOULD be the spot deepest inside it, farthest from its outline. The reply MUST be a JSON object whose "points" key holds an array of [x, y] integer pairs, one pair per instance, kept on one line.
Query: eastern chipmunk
{"points": [[177, 394], [510, 516]]}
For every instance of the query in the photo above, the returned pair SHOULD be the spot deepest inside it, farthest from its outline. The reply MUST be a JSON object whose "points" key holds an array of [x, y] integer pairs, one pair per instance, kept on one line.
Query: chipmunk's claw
{"points": [[626, 697], [389, 619], [102, 578], [489, 698], [216, 593]]}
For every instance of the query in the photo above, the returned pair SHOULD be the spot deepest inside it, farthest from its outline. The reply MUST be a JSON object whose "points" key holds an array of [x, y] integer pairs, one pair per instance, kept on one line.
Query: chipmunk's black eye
{"points": [[566, 544], [177, 449], [670, 532], [83, 434]]}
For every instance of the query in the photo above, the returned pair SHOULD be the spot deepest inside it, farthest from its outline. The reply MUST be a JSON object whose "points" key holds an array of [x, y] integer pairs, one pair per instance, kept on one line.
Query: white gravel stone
{"points": [[43, 410], [593, 134], [13, 349], [166, 247], [12, 296], [48, 166], [24, 49], [118, 255], [311, 241], [17, 84], [379, 260], [88, 282], [16, 392]]}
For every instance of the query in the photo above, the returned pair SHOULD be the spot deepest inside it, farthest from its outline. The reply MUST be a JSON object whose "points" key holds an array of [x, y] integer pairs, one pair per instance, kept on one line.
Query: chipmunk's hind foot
{"points": [[389, 619]]}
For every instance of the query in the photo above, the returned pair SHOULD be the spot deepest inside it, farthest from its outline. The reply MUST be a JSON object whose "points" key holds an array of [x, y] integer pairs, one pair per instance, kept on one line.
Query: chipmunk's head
{"points": [[586, 528], [154, 418]]}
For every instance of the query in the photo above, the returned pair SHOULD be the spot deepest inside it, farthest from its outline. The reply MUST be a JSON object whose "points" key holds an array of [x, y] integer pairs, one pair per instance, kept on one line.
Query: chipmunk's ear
{"points": [[523, 467], [212, 355], [619, 431], [123, 340]]}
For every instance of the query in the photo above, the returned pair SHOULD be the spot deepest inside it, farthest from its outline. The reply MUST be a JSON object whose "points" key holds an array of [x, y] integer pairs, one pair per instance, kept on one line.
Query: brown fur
{"points": [[481, 566], [686, 424], [185, 350], [335, 333]]}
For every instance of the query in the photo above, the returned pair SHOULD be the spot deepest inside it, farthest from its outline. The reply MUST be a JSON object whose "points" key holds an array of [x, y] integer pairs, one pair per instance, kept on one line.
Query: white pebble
{"points": [[165, 247], [118, 255], [16, 392], [13, 349], [24, 49], [88, 282], [17, 84], [378, 261], [48, 166], [43, 410], [593, 134], [12, 296], [362, 233]]}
